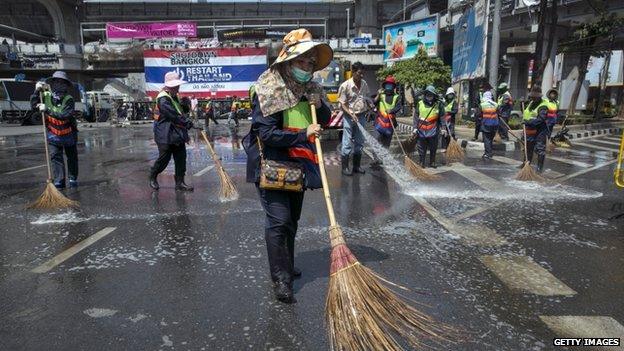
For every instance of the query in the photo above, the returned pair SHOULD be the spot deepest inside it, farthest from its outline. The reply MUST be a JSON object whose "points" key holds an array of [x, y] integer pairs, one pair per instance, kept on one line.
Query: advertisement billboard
{"points": [[470, 43], [126, 31], [211, 72], [403, 40]]}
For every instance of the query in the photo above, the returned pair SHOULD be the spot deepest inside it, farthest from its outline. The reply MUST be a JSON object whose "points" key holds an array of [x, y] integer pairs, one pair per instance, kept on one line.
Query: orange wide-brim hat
{"points": [[298, 42]]}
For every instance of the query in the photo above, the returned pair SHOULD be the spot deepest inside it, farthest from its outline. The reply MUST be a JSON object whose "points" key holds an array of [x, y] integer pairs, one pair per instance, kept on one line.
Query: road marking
{"points": [[125, 147], [586, 327], [477, 177], [606, 142], [471, 233], [568, 161], [475, 211], [63, 256], [614, 138], [24, 169], [597, 147], [203, 171], [570, 176], [523, 274], [16, 147], [584, 153]]}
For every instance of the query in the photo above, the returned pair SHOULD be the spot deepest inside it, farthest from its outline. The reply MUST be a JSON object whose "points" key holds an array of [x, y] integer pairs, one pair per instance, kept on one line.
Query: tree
{"points": [[591, 39], [541, 58], [419, 71]]}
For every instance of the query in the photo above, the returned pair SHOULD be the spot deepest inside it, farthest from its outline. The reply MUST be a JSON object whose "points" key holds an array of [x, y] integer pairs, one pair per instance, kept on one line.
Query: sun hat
{"points": [[172, 80], [59, 75], [298, 42]]}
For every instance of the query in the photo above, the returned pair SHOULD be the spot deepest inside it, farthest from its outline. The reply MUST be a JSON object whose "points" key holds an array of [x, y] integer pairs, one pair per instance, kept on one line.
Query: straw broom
{"points": [[361, 313], [228, 190], [417, 171], [454, 152], [51, 198], [527, 173]]}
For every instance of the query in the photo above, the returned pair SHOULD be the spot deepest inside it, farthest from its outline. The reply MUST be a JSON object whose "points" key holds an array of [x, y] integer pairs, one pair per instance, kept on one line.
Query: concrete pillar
{"points": [[548, 81], [366, 17], [66, 22]]}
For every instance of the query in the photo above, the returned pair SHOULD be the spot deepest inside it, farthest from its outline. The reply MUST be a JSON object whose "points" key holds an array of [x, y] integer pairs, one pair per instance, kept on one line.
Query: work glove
{"points": [[415, 131], [443, 132], [42, 108], [40, 86]]}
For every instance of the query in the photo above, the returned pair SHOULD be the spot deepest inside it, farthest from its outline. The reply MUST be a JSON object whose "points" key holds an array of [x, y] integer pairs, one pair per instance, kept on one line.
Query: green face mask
{"points": [[300, 75]]}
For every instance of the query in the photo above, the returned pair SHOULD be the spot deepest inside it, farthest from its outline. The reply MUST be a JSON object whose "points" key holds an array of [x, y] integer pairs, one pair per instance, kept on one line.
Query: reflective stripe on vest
{"points": [[553, 106], [296, 119], [488, 110], [528, 115], [383, 118], [252, 92], [428, 116], [54, 125], [447, 111], [505, 94], [175, 103]]}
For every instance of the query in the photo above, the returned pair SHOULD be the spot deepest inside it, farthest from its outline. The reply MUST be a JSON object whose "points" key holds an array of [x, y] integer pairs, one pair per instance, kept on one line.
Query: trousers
{"points": [[488, 140], [283, 210], [58, 162], [165, 151], [425, 144], [352, 136]]}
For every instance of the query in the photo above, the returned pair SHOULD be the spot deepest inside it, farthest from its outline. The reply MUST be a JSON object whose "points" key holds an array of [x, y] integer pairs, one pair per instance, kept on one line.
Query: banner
{"points": [[404, 39], [215, 73], [470, 43], [121, 31]]}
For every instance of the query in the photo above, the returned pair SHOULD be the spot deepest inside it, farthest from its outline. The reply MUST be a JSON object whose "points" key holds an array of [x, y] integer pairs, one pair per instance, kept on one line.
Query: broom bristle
{"points": [[409, 144], [454, 152], [361, 313], [228, 190], [527, 173], [497, 138], [550, 148], [52, 199], [419, 172]]}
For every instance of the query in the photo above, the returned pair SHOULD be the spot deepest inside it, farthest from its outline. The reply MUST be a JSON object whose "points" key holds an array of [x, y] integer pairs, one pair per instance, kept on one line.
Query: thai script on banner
{"points": [[209, 72], [120, 31]]}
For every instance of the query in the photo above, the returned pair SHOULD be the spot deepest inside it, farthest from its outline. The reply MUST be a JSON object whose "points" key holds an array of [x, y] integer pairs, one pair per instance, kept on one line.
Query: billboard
{"points": [[595, 65], [470, 43], [215, 73], [126, 31], [402, 40]]}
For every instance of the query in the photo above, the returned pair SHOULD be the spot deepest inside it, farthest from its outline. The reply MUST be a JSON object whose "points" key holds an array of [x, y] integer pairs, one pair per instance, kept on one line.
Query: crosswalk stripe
{"points": [[606, 142], [125, 147], [65, 255], [584, 153], [613, 138], [596, 147], [203, 171], [477, 177], [568, 161], [24, 169], [585, 327], [507, 160], [575, 174], [521, 273]]}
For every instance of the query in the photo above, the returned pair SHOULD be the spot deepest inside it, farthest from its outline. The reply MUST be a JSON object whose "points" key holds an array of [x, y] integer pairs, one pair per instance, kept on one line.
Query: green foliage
{"points": [[419, 71], [591, 38]]}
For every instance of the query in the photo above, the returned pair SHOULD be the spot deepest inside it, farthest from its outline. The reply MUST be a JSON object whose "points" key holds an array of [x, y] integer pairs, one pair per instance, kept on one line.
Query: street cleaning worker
{"points": [[61, 126], [553, 110], [489, 123], [171, 127], [388, 103], [236, 105], [485, 86], [282, 130], [505, 105], [427, 123], [535, 117], [450, 111], [352, 96], [209, 113]]}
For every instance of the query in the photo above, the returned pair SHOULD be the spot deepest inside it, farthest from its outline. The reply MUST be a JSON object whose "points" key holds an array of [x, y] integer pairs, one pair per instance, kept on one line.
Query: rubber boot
{"points": [[345, 166], [357, 159], [153, 183], [432, 162], [181, 186], [422, 160], [540, 163]]}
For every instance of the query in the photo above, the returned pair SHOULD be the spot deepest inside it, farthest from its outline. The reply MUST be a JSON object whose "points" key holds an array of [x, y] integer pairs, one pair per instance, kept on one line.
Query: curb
{"points": [[590, 133]]}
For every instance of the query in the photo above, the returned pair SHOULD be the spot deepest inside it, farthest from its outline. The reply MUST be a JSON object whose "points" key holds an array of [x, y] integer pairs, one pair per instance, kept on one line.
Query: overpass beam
{"points": [[366, 17]]}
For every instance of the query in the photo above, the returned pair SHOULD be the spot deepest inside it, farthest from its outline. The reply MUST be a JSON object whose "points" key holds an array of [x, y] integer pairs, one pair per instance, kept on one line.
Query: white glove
{"points": [[40, 86], [414, 131], [42, 108], [443, 132]]}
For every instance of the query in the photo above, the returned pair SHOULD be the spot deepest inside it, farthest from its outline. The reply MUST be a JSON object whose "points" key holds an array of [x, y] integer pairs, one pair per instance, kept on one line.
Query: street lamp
{"points": [[348, 18]]}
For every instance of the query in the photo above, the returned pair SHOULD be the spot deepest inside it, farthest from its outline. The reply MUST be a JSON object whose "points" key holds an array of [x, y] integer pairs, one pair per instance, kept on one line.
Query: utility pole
{"points": [[404, 9], [495, 45], [348, 19]]}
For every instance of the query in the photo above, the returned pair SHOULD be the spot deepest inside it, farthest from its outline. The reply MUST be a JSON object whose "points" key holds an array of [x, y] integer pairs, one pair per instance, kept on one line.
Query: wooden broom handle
{"points": [[526, 155], [45, 138], [213, 154], [321, 162]]}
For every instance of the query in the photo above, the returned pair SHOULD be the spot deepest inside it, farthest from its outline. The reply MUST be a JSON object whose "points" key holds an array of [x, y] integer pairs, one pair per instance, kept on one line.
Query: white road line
{"points": [[16, 147], [507, 160], [521, 273], [203, 171], [584, 153], [125, 147], [614, 138], [475, 211], [597, 147], [570, 176], [477, 177], [586, 327], [24, 169], [568, 161], [606, 142], [63, 256]]}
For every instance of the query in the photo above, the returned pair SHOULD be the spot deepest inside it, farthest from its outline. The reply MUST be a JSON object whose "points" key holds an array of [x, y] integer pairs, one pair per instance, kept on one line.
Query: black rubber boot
{"points": [[283, 292], [540, 163], [153, 183], [357, 159], [422, 160], [181, 186], [345, 166], [432, 162]]}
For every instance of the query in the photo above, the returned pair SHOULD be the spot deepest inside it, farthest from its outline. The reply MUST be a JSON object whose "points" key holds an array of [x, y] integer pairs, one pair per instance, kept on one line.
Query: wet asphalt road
{"points": [[183, 271]]}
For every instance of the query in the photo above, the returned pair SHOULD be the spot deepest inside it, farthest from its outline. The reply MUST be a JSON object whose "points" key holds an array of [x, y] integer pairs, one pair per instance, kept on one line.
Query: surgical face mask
{"points": [[429, 98], [388, 87], [58, 87], [300, 75]]}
